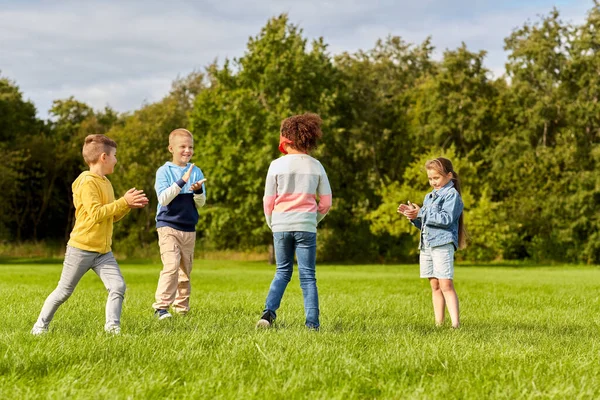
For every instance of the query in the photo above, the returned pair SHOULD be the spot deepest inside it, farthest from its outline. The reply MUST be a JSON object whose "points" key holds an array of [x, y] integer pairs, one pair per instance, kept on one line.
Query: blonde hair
{"points": [[178, 133], [94, 146], [444, 166]]}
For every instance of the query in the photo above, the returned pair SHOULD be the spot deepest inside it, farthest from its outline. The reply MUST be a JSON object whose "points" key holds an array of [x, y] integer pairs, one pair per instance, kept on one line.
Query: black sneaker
{"points": [[265, 321], [162, 314]]}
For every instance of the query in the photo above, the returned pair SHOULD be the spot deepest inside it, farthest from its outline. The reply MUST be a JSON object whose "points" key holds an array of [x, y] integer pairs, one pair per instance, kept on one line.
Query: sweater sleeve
{"points": [[200, 194], [91, 202], [166, 190], [325, 196], [270, 195], [120, 215]]}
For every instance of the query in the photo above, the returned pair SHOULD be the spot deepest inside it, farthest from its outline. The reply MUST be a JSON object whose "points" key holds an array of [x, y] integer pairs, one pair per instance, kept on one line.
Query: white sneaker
{"points": [[113, 330], [36, 330], [162, 314], [263, 323]]}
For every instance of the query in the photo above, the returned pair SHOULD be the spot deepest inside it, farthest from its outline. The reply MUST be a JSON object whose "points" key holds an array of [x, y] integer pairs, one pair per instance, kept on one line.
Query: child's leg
{"points": [[77, 263], [107, 269], [443, 265], [184, 287], [170, 254], [284, 255], [451, 298], [426, 267], [306, 252], [439, 304]]}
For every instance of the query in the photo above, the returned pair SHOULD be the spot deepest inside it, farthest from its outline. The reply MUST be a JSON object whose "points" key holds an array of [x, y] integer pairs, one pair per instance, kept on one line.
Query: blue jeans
{"points": [[304, 244]]}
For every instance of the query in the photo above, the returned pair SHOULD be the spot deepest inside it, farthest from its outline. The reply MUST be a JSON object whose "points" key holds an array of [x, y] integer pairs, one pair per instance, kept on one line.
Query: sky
{"points": [[127, 53]]}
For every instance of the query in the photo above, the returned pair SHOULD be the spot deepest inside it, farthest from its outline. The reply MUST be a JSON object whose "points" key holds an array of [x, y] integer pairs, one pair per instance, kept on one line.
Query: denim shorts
{"points": [[437, 262]]}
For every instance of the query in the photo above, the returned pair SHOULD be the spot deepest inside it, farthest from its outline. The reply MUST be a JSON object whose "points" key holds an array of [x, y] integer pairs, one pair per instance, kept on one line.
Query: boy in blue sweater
{"points": [[181, 192]]}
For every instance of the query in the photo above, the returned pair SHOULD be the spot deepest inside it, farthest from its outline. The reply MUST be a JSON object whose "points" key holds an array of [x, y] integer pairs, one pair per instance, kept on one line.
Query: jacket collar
{"points": [[442, 191]]}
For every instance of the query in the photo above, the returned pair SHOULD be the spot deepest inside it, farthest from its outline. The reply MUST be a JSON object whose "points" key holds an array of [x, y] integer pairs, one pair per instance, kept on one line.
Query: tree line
{"points": [[526, 144]]}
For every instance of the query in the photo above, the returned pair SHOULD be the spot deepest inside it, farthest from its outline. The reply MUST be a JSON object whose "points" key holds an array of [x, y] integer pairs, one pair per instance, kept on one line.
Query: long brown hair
{"points": [[444, 167]]}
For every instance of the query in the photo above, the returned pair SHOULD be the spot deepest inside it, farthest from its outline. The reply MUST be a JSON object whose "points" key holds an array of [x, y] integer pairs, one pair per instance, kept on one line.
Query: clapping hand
{"points": [[409, 210], [188, 173], [198, 185], [136, 198]]}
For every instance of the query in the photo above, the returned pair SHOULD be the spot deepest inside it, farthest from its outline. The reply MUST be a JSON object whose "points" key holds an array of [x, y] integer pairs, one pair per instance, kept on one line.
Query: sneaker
{"points": [[265, 321], [162, 314], [113, 330], [36, 330]]}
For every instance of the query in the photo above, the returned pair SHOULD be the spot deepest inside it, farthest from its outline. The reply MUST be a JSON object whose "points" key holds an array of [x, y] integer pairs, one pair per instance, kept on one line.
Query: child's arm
{"points": [[121, 214], [198, 188], [412, 212], [199, 196], [91, 202], [325, 196], [448, 213], [166, 191], [270, 195]]}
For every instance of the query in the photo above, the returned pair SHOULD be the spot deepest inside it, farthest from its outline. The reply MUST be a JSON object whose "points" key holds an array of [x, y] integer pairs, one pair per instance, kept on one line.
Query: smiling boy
{"points": [[180, 190]]}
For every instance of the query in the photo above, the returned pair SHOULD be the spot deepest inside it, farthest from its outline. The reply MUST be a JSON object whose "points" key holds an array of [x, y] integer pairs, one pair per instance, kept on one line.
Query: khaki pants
{"points": [[177, 254]]}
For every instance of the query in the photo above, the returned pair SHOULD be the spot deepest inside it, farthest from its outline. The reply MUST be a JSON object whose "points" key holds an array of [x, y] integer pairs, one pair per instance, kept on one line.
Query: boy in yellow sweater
{"points": [[89, 246]]}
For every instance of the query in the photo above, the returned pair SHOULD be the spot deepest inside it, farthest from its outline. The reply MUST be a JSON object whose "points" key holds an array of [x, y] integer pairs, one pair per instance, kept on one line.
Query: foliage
{"points": [[526, 144]]}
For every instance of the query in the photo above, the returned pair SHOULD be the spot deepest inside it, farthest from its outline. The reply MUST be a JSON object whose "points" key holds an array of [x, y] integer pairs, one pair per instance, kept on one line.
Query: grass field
{"points": [[528, 332]]}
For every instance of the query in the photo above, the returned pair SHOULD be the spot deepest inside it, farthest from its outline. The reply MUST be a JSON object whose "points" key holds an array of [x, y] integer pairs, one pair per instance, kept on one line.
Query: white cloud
{"points": [[125, 53]]}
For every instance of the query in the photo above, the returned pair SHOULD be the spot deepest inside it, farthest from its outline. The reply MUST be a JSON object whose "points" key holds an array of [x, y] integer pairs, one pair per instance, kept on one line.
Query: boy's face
{"points": [[110, 160], [182, 148]]}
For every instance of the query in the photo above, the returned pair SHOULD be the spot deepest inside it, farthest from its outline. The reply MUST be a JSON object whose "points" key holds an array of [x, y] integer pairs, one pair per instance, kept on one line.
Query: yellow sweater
{"points": [[95, 211]]}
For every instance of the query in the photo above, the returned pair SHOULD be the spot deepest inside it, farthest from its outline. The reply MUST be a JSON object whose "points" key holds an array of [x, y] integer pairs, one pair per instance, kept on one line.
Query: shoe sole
{"points": [[263, 323], [164, 316]]}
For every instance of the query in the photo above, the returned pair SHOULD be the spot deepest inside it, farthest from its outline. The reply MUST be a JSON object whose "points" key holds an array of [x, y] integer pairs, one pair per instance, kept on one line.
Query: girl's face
{"points": [[437, 180]]}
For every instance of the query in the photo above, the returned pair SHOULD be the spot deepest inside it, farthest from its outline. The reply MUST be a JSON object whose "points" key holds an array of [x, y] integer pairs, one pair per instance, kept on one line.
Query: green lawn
{"points": [[528, 332]]}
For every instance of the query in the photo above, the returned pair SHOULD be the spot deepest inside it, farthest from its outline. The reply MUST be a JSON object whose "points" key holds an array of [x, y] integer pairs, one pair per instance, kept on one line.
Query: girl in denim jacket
{"points": [[442, 232]]}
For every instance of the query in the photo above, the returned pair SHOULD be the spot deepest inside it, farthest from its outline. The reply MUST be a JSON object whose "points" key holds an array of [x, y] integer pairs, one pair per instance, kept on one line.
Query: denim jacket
{"points": [[438, 218]]}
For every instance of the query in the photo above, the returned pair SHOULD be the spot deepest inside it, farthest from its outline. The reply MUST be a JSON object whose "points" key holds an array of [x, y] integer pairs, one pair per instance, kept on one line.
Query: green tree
{"points": [[142, 140], [236, 124]]}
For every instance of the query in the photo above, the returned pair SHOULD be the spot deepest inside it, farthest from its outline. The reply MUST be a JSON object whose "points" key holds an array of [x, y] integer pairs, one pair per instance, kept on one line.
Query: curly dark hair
{"points": [[303, 130]]}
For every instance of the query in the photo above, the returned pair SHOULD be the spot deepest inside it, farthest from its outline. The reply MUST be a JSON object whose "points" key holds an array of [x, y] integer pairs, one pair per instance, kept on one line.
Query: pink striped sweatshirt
{"points": [[294, 182]]}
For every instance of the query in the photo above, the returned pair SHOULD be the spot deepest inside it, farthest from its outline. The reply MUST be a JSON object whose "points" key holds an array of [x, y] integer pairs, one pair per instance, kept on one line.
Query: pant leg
{"points": [[170, 254], [106, 267], [184, 286], [284, 255], [306, 253], [77, 263]]}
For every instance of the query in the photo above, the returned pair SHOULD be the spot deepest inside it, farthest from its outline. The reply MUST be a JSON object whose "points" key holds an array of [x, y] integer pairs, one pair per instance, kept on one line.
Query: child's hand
{"points": [[412, 210], [136, 198], [198, 185], [188, 173], [402, 208]]}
